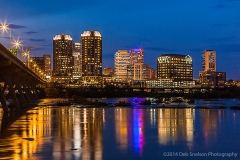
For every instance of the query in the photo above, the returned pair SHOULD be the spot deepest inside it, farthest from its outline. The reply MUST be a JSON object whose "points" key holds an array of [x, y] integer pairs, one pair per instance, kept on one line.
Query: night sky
{"points": [[158, 26]]}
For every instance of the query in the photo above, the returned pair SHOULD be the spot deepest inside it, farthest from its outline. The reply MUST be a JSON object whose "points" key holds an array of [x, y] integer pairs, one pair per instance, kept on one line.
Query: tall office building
{"points": [[173, 71], [77, 61], [91, 56], [175, 67], [39, 62], [44, 64], [62, 58], [209, 77], [136, 56], [121, 61], [47, 65], [108, 71], [209, 60]]}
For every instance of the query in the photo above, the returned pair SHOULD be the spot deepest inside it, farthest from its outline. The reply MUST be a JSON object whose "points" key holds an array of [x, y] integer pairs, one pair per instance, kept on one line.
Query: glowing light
{"points": [[4, 27], [138, 137], [137, 50], [17, 43]]}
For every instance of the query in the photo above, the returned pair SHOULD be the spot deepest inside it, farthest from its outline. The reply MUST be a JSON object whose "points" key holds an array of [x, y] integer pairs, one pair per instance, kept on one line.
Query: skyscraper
{"points": [[175, 67], [62, 58], [44, 64], [77, 61], [121, 61], [209, 77], [91, 56], [173, 71], [136, 56], [209, 60], [47, 65], [135, 68]]}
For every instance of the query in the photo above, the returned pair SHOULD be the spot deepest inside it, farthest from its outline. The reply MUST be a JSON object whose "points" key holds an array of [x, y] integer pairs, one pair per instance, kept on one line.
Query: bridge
{"points": [[17, 80]]}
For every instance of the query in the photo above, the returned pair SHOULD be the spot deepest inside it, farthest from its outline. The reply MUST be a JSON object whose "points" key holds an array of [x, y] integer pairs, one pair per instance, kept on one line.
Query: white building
{"points": [[136, 56], [121, 61], [77, 61], [209, 60]]}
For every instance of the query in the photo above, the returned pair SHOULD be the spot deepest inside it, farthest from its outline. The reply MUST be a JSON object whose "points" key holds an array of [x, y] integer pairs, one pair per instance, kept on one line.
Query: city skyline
{"points": [[159, 28]]}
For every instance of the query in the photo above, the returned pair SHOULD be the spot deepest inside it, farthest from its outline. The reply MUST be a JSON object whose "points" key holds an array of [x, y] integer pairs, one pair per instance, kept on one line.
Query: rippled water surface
{"points": [[65, 132]]}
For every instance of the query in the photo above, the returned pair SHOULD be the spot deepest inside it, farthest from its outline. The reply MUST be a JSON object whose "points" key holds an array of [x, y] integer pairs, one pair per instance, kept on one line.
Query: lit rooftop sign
{"points": [[137, 50]]}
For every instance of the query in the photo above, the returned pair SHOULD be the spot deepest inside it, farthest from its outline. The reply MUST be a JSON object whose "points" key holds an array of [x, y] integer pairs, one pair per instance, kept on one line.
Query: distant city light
{"points": [[4, 27], [17, 44]]}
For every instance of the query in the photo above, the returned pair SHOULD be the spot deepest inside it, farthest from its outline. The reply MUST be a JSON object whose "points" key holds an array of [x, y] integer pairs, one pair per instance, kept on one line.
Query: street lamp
{"points": [[5, 28], [17, 43]]}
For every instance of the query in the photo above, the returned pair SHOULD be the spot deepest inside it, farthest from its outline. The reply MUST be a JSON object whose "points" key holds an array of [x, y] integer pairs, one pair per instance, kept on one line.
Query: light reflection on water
{"points": [[117, 133]]}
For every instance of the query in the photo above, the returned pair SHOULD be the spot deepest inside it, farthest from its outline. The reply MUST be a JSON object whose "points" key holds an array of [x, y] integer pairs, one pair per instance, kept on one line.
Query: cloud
{"points": [[219, 25], [31, 32], [108, 54], [221, 6], [228, 48], [46, 45], [158, 49], [37, 40], [5, 37], [15, 26], [38, 49], [221, 39], [232, 0]]}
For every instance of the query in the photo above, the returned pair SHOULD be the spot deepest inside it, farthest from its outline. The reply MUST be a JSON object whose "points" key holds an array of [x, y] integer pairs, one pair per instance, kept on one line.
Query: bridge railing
{"points": [[32, 65], [32, 68]]}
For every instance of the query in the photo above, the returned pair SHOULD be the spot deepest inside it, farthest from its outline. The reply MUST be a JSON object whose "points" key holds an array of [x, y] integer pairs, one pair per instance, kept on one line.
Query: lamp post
{"points": [[16, 44], [5, 28]]}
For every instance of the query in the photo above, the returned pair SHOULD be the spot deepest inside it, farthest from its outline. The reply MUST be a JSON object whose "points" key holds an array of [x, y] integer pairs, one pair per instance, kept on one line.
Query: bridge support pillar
{"points": [[5, 86], [18, 86], [34, 91], [30, 93], [26, 93], [3, 100], [8, 80]]}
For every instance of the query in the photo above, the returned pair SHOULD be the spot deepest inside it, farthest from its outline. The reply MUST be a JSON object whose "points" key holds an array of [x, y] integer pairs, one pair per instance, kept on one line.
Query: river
{"points": [[117, 133]]}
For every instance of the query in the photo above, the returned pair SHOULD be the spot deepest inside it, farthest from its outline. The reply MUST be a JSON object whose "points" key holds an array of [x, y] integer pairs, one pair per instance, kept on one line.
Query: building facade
{"points": [[91, 57], [209, 77], [44, 64], [168, 83], [209, 60], [121, 61], [108, 71], [212, 79], [175, 67], [62, 58], [77, 62], [136, 56], [47, 65]]}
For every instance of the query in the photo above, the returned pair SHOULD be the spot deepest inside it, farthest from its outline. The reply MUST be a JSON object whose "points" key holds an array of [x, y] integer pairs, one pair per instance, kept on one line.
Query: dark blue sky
{"points": [[158, 26]]}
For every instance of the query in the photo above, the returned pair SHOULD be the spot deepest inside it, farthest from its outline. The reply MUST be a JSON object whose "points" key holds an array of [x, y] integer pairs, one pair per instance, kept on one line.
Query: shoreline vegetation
{"points": [[82, 96], [174, 102], [56, 91]]}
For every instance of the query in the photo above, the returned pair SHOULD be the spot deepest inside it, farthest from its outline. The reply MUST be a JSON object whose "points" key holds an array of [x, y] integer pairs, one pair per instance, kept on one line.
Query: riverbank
{"points": [[113, 92], [138, 102]]}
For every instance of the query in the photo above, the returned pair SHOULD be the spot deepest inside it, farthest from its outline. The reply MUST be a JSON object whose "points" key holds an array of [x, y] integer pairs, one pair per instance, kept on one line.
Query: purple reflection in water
{"points": [[138, 141]]}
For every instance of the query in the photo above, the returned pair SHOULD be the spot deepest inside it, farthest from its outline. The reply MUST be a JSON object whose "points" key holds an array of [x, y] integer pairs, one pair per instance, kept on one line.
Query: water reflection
{"points": [[175, 125], [130, 129], [122, 127], [83, 133], [1, 115], [67, 133], [23, 138], [138, 126], [80, 131], [210, 120]]}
